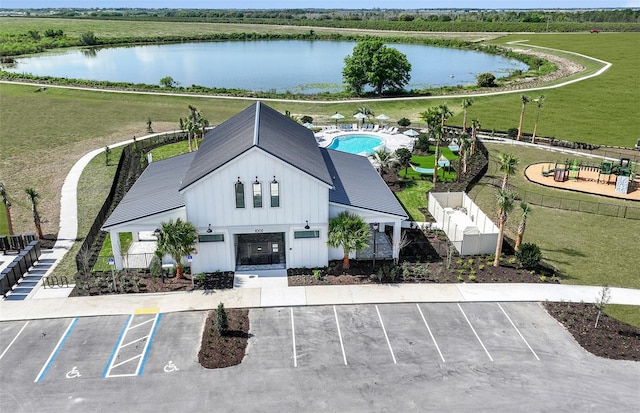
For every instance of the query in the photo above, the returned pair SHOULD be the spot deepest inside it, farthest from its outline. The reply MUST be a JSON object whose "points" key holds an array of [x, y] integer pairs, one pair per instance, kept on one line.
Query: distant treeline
{"points": [[413, 20]]}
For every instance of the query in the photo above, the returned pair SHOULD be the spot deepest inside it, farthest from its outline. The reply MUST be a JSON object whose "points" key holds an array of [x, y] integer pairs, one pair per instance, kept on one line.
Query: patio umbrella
{"points": [[337, 117], [360, 116], [411, 133], [382, 116]]}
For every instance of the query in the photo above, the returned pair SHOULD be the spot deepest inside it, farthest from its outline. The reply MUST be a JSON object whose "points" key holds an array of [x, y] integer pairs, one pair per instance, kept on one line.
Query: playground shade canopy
{"points": [[468, 228]]}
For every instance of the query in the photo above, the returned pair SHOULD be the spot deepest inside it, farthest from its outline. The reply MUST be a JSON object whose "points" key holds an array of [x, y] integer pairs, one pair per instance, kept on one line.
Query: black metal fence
{"points": [[599, 208], [131, 164]]}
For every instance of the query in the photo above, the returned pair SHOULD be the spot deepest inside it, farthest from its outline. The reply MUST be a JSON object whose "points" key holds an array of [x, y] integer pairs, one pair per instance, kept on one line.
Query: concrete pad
{"points": [[55, 292], [282, 296], [328, 294], [544, 292]]}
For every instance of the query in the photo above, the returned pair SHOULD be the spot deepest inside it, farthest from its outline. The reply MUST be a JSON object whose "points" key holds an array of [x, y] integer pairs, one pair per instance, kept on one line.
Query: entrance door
{"points": [[260, 249]]}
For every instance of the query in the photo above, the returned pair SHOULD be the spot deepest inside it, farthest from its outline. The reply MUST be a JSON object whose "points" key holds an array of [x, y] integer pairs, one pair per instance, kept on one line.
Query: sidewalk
{"points": [[302, 296]]}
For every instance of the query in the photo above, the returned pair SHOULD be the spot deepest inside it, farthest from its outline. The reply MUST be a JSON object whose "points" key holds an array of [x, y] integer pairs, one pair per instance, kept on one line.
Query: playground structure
{"points": [[623, 174]]}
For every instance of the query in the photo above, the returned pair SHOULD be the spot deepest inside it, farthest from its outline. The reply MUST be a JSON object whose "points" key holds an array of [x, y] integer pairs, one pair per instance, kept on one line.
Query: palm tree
{"points": [[444, 113], [7, 206], [506, 199], [365, 111], [475, 125], [507, 165], [33, 198], [384, 158], [525, 100], [403, 157], [178, 240], [465, 148], [526, 210], [539, 101], [350, 232], [466, 103]]}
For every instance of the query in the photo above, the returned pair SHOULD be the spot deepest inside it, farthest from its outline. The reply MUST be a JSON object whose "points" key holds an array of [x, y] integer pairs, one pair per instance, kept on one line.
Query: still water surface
{"points": [[298, 66]]}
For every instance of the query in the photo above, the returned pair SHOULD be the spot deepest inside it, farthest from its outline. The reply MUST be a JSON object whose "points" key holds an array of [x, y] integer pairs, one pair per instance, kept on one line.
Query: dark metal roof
{"points": [[356, 183], [263, 127], [155, 191]]}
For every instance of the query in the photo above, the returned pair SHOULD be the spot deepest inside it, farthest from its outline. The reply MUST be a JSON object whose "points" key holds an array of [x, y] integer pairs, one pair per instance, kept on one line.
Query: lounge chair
{"points": [[393, 131], [376, 127]]}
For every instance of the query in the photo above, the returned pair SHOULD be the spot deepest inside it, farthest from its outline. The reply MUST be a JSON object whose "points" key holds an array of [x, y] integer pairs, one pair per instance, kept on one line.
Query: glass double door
{"points": [[260, 249]]}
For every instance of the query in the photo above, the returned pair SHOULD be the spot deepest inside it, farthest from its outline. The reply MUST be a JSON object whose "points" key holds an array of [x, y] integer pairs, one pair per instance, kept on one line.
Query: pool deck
{"points": [[390, 141]]}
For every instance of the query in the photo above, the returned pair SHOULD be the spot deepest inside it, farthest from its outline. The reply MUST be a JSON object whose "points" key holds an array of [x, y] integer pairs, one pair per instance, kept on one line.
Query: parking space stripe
{"points": [[117, 346], [13, 341], [521, 336], [474, 332], [429, 330], [147, 346], [344, 355], [393, 356], [293, 335], [56, 350]]}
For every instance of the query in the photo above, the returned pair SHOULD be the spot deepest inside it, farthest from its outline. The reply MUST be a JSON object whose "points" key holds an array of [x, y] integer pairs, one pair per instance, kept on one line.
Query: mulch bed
{"points": [[218, 351], [132, 282], [612, 339]]}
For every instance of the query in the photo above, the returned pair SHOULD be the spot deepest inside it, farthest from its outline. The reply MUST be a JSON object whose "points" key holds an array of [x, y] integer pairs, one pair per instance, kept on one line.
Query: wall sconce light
{"points": [[257, 181], [274, 180], [209, 230], [307, 226], [376, 226], [238, 181], [156, 232]]}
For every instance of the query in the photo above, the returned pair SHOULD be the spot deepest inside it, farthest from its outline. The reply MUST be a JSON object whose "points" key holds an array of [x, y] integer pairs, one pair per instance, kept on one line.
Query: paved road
{"points": [[361, 358]]}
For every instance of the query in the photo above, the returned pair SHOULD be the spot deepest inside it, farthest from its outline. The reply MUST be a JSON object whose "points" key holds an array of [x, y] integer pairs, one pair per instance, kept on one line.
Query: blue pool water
{"points": [[357, 144]]}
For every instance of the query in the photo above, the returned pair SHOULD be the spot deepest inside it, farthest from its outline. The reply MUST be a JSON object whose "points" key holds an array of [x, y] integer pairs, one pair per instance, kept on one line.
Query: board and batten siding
{"points": [[211, 201]]}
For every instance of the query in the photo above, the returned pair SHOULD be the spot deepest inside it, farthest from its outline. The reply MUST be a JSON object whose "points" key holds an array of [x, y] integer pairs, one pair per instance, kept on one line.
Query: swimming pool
{"points": [[356, 144]]}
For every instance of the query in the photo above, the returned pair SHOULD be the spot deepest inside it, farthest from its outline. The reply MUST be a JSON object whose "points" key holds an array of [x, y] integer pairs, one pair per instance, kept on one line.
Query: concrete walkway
{"points": [[275, 296]]}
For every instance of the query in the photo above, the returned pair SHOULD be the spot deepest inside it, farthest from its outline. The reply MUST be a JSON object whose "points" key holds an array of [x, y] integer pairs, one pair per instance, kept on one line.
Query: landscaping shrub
{"points": [[404, 122], [222, 321], [529, 255]]}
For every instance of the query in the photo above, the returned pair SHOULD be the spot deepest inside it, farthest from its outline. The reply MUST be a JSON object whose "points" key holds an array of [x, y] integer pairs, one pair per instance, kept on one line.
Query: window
{"points": [[211, 238], [275, 193], [306, 234], [239, 194], [257, 194]]}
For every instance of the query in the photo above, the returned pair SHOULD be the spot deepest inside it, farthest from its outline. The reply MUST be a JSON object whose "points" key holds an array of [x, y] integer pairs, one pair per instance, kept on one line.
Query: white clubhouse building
{"points": [[260, 192]]}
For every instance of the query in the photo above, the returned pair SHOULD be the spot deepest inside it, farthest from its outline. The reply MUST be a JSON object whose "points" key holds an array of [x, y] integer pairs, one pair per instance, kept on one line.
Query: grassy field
{"points": [[590, 249], [43, 134]]}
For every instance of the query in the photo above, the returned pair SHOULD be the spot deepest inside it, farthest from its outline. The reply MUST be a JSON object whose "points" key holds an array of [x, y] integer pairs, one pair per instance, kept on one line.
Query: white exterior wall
{"points": [[211, 201], [143, 224], [483, 242]]}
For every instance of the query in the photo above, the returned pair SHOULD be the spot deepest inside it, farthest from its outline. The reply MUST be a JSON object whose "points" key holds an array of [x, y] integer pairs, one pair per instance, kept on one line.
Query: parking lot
{"points": [[396, 334], [335, 358]]}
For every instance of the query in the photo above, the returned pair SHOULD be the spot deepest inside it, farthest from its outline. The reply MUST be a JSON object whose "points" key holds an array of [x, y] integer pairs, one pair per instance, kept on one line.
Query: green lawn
{"points": [[590, 249], [44, 134], [429, 162], [4, 225], [414, 197]]}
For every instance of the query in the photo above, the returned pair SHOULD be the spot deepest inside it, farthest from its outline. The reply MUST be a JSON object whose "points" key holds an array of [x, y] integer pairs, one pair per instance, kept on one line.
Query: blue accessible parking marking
{"points": [[131, 350]]}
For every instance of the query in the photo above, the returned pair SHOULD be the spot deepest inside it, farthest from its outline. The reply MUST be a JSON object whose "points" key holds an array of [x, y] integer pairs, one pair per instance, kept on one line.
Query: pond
{"points": [[296, 66]]}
